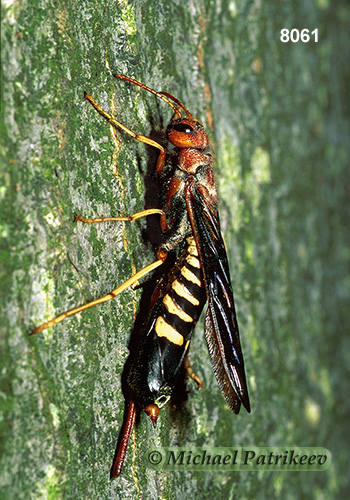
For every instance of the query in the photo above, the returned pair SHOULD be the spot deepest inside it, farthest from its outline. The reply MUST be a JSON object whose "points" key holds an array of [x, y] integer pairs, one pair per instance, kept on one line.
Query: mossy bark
{"points": [[278, 116]]}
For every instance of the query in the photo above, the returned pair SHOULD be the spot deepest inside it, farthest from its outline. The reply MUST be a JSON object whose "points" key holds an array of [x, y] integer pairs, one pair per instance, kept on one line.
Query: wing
{"points": [[221, 328]]}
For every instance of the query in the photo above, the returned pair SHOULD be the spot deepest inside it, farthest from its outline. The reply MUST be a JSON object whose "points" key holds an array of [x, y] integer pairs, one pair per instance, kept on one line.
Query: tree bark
{"points": [[278, 117]]}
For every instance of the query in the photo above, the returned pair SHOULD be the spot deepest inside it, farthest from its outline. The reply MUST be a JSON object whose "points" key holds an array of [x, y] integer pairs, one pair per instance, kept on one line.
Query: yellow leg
{"points": [[141, 138], [138, 215], [191, 373], [132, 217], [105, 298]]}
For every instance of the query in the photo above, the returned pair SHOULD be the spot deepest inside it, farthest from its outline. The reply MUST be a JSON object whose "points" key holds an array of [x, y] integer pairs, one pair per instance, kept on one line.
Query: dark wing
{"points": [[221, 328]]}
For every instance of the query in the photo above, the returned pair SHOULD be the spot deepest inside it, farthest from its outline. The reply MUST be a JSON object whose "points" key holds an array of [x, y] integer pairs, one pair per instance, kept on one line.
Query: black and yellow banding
{"points": [[174, 308], [167, 333], [163, 329], [182, 304]]}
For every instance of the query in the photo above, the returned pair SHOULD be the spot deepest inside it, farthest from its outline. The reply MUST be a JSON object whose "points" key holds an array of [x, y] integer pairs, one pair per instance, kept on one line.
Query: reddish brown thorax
{"points": [[190, 137], [190, 159]]}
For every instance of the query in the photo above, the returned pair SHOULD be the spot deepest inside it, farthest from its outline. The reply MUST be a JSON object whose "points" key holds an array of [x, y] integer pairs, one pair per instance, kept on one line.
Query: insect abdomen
{"points": [[183, 302], [170, 327]]}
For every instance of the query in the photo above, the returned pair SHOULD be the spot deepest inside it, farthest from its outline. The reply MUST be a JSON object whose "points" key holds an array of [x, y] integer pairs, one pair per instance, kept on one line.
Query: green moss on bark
{"points": [[280, 130]]}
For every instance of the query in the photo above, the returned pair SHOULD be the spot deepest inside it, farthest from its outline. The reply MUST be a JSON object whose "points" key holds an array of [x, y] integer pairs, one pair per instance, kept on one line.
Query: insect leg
{"points": [[191, 373], [137, 215], [124, 436], [131, 281], [141, 138]]}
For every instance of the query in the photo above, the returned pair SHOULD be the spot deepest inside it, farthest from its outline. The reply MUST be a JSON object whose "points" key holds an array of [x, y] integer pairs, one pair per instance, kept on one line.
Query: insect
{"points": [[199, 273]]}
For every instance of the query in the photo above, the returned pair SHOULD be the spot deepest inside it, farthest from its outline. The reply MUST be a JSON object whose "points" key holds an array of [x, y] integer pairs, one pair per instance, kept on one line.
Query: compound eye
{"points": [[182, 127]]}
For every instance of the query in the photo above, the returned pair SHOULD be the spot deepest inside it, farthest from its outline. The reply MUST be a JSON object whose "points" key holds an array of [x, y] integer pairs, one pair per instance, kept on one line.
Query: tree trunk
{"points": [[278, 117]]}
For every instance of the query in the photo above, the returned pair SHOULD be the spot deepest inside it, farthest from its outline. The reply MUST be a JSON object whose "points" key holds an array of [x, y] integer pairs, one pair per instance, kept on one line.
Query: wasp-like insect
{"points": [[190, 225]]}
